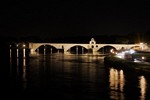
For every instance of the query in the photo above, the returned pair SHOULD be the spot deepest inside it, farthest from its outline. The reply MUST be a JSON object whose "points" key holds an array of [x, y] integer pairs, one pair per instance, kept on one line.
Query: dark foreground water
{"points": [[69, 77]]}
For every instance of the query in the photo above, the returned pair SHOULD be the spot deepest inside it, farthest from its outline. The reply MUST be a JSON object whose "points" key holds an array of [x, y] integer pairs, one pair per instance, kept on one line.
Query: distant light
{"points": [[143, 57], [24, 45], [111, 50]]}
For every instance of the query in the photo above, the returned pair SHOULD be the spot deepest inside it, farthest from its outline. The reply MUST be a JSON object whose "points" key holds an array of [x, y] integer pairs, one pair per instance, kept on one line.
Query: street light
{"points": [[111, 50], [143, 58], [24, 45]]}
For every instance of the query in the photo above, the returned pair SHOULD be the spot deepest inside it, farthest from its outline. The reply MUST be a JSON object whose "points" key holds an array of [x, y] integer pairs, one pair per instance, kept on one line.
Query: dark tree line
{"points": [[129, 38]]}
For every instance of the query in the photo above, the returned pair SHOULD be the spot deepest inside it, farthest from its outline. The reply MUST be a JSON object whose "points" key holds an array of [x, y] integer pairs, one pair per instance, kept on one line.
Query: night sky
{"points": [[73, 18]]}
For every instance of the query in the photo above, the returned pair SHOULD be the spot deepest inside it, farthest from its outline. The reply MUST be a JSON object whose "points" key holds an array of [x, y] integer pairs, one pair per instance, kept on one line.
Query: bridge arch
{"points": [[136, 47], [77, 49], [64, 47], [107, 49], [46, 49], [67, 47]]}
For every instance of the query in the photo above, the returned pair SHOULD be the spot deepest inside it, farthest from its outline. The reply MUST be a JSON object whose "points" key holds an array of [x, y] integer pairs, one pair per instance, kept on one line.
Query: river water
{"points": [[69, 77]]}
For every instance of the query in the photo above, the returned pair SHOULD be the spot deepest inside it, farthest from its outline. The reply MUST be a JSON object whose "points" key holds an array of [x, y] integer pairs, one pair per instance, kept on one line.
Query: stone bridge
{"points": [[92, 45]]}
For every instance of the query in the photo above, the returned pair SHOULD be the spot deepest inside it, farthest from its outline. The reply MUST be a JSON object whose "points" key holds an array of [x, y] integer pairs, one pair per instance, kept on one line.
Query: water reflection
{"points": [[17, 53], [24, 78], [18, 65], [10, 59], [24, 53], [74, 76], [117, 82], [10, 53], [122, 80], [142, 85]]}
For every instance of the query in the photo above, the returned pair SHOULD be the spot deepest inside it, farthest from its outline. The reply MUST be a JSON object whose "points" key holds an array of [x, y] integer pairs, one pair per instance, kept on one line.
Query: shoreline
{"points": [[125, 64]]}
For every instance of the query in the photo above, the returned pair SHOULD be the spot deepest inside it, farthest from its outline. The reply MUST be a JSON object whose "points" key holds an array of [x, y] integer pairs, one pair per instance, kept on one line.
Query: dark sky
{"points": [[73, 18]]}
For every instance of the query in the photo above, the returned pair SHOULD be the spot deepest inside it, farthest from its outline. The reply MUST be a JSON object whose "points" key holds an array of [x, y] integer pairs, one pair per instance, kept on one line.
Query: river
{"points": [[69, 77]]}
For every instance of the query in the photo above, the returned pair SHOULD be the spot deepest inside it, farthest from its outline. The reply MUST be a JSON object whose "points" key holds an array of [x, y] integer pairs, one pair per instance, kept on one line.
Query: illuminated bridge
{"points": [[77, 48]]}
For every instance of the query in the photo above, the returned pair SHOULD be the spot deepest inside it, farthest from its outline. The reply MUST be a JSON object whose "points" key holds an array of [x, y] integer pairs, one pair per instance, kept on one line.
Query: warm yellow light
{"points": [[111, 50], [142, 84], [141, 43], [143, 57]]}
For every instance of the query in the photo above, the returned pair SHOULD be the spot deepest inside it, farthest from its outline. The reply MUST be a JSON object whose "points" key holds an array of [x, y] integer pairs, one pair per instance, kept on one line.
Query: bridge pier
{"points": [[65, 52], [32, 52]]}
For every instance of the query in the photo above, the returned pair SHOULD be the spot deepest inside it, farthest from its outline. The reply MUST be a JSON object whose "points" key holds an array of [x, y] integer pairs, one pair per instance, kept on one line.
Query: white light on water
{"points": [[132, 51], [120, 55], [143, 58], [123, 53]]}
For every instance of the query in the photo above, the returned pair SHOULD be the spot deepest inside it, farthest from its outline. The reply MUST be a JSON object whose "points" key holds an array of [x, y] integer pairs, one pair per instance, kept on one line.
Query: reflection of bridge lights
{"points": [[142, 84], [116, 82]]}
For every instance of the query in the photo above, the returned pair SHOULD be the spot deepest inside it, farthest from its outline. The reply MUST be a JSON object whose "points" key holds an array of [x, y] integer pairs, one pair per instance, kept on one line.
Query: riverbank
{"points": [[126, 64]]}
